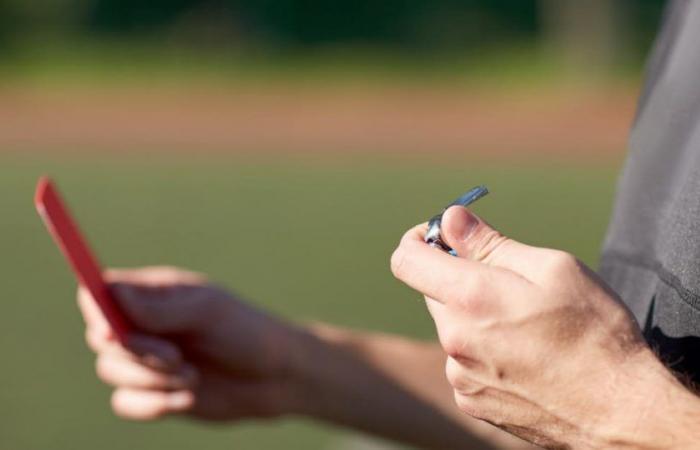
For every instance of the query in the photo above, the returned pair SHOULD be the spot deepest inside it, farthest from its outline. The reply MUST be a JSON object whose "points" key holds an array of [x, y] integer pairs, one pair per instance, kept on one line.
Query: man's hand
{"points": [[201, 351], [536, 344]]}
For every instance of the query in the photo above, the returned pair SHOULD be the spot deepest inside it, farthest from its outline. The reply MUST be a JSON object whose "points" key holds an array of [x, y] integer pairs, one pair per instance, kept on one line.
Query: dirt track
{"points": [[580, 122]]}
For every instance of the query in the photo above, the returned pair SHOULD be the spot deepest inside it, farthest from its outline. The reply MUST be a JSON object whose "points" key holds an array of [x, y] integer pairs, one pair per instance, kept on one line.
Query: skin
{"points": [[529, 340], [540, 347], [200, 351]]}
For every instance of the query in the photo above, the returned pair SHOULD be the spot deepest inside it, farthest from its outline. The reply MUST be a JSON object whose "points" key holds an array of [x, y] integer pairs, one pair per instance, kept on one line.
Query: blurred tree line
{"points": [[399, 24]]}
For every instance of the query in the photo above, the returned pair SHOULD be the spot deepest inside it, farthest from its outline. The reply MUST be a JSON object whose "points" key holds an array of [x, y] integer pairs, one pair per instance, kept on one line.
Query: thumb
{"points": [[474, 239], [164, 310]]}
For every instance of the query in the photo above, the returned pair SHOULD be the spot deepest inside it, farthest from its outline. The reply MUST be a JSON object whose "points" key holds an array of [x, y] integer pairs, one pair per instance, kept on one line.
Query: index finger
{"points": [[437, 274], [94, 319], [154, 276]]}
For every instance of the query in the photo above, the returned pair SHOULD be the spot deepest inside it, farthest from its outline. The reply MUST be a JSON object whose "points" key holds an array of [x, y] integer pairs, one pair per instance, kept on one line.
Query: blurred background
{"points": [[283, 147]]}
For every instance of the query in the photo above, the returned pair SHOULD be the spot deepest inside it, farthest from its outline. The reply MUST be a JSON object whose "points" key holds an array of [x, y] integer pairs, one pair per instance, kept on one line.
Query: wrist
{"points": [[306, 354], [652, 409], [328, 371], [313, 360]]}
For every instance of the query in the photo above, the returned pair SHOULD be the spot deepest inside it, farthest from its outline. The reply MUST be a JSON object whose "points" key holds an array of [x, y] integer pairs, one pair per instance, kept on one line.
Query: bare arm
{"points": [[390, 386], [202, 352]]}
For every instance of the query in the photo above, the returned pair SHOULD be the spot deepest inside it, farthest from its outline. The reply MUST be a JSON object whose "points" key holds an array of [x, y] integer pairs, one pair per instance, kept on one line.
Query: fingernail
{"points": [[180, 400], [471, 222]]}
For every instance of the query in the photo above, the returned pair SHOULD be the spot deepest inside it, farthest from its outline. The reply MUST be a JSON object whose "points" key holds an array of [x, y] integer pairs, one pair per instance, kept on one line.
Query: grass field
{"points": [[305, 238]]}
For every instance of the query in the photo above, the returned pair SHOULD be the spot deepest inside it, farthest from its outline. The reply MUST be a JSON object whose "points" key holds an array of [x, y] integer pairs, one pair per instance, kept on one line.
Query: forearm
{"points": [[389, 386], [654, 410]]}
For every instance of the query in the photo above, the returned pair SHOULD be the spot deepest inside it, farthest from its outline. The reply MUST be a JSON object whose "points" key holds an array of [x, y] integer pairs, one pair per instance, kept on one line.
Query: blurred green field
{"points": [[305, 238]]}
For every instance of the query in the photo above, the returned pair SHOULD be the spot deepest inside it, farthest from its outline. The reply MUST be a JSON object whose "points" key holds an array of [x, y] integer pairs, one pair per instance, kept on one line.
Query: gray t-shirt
{"points": [[651, 255]]}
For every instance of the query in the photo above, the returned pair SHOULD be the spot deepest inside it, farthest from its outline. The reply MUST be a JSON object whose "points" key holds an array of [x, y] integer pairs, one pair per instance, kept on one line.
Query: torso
{"points": [[651, 255]]}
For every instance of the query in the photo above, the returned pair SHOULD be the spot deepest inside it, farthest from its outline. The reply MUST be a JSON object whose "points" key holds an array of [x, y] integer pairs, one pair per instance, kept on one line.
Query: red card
{"points": [[74, 247]]}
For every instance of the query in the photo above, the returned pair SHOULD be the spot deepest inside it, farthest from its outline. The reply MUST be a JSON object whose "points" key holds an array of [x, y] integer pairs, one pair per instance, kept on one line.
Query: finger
{"points": [[460, 378], [150, 351], [452, 340], [438, 275], [473, 238], [141, 404], [94, 319], [155, 352], [154, 276], [125, 372], [458, 335], [98, 342], [166, 309]]}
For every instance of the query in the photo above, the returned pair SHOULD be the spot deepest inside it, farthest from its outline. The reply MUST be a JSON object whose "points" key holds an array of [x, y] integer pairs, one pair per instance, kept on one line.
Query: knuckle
{"points": [[486, 243], [93, 342], [454, 374], [452, 343], [561, 262], [156, 381], [473, 287], [117, 404], [122, 407], [120, 404], [102, 368], [147, 378], [458, 377], [467, 404], [471, 293], [160, 359], [398, 261], [400, 258]]}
